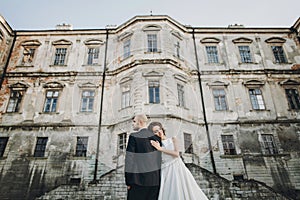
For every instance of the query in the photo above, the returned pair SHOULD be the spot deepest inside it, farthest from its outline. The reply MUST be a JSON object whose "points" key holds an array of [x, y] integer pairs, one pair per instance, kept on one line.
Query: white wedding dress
{"points": [[177, 182]]}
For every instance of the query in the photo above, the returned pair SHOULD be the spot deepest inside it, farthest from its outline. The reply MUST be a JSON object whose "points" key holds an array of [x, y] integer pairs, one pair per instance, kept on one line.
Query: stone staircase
{"points": [[111, 186]]}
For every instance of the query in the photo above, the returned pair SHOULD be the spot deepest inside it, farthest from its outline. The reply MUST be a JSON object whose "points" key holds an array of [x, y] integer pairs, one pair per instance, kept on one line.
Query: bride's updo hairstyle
{"points": [[152, 124]]}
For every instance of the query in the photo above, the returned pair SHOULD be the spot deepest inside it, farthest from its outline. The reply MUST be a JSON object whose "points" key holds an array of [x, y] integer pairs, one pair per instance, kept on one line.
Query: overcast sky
{"points": [[46, 14]]}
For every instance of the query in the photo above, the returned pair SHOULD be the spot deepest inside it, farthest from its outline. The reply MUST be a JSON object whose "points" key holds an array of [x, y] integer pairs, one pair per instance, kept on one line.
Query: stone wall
{"points": [[111, 187]]}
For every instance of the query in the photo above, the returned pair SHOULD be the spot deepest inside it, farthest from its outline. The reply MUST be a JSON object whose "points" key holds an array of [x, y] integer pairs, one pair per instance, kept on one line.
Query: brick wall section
{"points": [[111, 187]]}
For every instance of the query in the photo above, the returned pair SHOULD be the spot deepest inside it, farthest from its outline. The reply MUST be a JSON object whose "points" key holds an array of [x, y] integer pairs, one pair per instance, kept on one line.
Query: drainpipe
{"points": [[203, 107], [7, 60], [101, 106]]}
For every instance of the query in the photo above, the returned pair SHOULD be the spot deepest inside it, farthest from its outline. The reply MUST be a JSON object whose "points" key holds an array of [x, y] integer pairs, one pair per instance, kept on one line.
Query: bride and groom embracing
{"points": [[153, 167]]}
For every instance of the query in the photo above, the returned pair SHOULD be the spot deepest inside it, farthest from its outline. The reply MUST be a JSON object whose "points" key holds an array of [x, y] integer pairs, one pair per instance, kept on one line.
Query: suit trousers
{"points": [[137, 192]]}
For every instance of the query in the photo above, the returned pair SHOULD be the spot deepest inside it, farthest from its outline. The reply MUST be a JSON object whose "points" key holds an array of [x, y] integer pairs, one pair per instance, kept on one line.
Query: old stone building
{"points": [[230, 94]]}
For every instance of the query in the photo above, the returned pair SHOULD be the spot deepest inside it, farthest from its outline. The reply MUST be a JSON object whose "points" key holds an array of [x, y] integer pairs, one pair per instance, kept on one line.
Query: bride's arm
{"points": [[174, 152]]}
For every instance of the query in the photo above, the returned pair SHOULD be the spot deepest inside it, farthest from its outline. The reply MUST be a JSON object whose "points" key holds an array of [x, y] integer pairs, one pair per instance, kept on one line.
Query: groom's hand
{"points": [[128, 187]]}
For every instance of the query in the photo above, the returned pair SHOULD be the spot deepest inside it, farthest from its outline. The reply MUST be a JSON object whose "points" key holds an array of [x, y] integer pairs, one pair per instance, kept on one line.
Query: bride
{"points": [[177, 182]]}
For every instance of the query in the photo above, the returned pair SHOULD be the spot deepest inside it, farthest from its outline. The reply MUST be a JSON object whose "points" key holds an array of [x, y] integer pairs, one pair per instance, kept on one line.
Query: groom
{"points": [[142, 162]]}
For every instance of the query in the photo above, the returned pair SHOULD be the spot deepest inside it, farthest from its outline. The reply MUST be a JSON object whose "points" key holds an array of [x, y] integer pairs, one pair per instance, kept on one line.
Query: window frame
{"points": [[269, 146], [40, 148], [181, 95], [28, 56], [93, 56], [255, 101], [188, 143], [17, 104], [154, 92], [278, 56], [81, 146], [3, 145], [219, 107], [245, 54], [227, 141], [51, 102], [277, 42], [152, 44], [87, 103], [59, 56], [126, 48], [122, 141], [212, 58], [295, 99]]}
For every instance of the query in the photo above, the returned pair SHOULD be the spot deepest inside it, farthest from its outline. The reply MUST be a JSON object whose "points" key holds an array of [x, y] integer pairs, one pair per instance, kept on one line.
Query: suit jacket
{"points": [[142, 160]]}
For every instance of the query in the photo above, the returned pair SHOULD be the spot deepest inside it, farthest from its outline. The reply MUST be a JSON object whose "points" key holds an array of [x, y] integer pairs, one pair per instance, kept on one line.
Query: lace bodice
{"points": [[167, 144]]}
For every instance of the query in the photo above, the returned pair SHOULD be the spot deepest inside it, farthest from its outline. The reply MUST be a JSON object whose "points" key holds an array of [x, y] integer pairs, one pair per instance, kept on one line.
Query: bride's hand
{"points": [[156, 145]]}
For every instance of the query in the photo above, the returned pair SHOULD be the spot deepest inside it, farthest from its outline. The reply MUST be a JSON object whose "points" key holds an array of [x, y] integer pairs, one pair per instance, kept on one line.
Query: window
{"points": [[154, 92], [228, 145], [269, 144], [93, 56], [256, 99], [60, 56], [87, 101], [15, 100], [180, 90], [220, 99], [125, 99], [126, 48], [152, 42], [122, 142], [28, 55], [30, 47], [279, 54], [212, 54], [3, 143], [293, 98], [51, 101], [81, 146], [177, 50], [188, 143], [245, 54], [40, 147]]}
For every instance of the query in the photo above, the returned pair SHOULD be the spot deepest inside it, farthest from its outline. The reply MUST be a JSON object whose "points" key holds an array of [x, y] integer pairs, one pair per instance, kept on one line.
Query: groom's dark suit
{"points": [[142, 166]]}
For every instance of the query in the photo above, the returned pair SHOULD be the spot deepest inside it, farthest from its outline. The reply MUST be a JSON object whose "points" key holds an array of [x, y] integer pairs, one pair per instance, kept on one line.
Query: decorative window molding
{"points": [[217, 84], [289, 82], [93, 42], [19, 85], [210, 40], [125, 80], [242, 40], [125, 35], [56, 85], [180, 78], [88, 85], [61, 42], [152, 27], [31, 43], [153, 74], [176, 34], [275, 40], [250, 83]]}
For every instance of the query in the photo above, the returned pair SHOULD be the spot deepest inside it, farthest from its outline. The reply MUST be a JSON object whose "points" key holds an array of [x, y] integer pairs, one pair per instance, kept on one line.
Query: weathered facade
{"points": [[231, 96]]}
